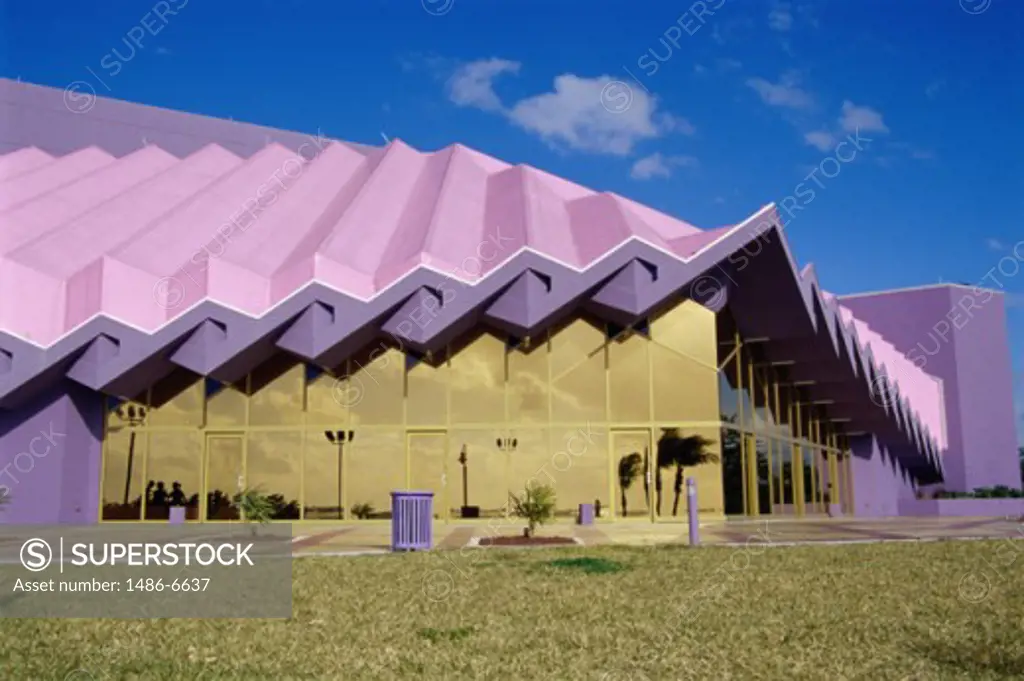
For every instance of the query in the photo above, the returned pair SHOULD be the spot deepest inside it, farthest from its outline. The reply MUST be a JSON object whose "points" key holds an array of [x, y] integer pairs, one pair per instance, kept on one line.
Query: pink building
{"points": [[189, 306]]}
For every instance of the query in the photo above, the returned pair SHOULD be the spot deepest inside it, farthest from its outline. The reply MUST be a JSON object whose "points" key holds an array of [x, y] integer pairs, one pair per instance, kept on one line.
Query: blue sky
{"points": [[726, 111]]}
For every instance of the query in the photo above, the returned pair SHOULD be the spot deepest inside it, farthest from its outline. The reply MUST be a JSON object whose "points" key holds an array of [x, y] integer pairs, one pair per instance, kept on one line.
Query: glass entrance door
{"points": [[225, 475], [633, 459], [427, 451]]}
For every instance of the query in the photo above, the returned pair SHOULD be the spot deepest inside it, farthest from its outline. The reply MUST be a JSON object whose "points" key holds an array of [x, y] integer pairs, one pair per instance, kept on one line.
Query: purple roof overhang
{"points": [[749, 268]]}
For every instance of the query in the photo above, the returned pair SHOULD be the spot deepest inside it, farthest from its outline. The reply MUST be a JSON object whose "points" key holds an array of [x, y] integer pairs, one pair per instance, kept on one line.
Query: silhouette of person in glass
{"points": [[159, 497], [177, 496]]}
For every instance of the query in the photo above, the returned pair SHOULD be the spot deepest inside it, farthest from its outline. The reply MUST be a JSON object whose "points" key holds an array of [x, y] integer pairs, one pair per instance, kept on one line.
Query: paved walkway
{"points": [[376, 537]]}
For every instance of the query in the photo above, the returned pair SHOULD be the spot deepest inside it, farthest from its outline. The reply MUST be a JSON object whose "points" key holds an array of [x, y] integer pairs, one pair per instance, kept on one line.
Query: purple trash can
{"points": [[412, 521], [586, 514], [177, 515]]}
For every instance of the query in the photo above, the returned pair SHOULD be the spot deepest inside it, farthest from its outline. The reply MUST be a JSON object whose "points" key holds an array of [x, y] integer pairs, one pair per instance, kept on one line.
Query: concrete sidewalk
{"points": [[376, 537]]}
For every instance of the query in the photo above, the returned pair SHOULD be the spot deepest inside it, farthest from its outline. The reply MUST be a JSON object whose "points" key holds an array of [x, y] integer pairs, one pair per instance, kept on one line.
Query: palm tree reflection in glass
{"points": [[679, 452], [674, 451], [629, 469]]}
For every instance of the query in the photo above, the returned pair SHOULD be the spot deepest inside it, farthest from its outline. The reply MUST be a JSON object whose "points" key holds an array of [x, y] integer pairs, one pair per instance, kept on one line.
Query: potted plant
{"points": [[254, 507], [536, 506]]}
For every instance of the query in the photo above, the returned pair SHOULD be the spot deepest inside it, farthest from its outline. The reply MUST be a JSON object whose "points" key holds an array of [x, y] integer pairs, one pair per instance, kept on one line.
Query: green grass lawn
{"points": [[944, 610]]}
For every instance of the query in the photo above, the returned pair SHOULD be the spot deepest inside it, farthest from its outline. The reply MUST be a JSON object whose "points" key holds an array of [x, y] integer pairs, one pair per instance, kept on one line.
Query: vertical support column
{"points": [[824, 473], [753, 492], [816, 485], [835, 496], [775, 417], [851, 492], [741, 423], [753, 488], [798, 458], [651, 438], [612, 464], [782, 451]]}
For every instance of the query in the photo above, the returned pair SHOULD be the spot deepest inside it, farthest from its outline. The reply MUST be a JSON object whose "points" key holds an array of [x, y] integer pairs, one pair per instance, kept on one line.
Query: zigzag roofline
{"points": [[94, 361]]}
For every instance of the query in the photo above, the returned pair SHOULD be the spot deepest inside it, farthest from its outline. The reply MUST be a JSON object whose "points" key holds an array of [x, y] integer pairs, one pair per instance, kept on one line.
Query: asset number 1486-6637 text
{"points": [[160, 585]]}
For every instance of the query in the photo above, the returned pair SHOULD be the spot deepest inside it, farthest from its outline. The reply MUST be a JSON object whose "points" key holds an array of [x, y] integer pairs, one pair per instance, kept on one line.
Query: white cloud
{"points": [[853, 118], [934, 88], [862, 118], [780, 18], [473, 84], [822, 140], [995, 244], [657, 165], [786, 93], [599, 115]]}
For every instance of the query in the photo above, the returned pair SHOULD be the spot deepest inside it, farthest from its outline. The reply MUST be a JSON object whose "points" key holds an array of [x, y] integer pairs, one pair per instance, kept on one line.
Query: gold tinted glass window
{"points": [[274, 466], [630, 378], [375, 466], [427, 385], [225, 406], [174, 471], [123, 471], [477, 375], [275, 390], [684, 390], [578, 381], [376, 386], [528, 391], [323, 475], [327, 399], [176, 400]]}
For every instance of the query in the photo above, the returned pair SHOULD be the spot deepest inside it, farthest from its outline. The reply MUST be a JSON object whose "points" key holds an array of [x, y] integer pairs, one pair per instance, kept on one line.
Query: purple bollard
{"points": [[691, 511], [177, 516], [412, 521]]}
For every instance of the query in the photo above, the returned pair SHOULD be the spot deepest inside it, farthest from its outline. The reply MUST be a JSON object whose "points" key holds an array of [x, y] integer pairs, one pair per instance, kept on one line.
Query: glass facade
{"points": [[614, 417]]}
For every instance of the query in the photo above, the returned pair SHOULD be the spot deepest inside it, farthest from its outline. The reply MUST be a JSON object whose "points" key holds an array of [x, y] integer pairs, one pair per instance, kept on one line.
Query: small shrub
{"points": [[362, 511], [537, 505], [254, 507]]}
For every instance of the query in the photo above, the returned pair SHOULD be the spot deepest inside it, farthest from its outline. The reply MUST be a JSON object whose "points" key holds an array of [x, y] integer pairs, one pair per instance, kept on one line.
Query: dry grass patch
{"points": [[882, 611]]}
